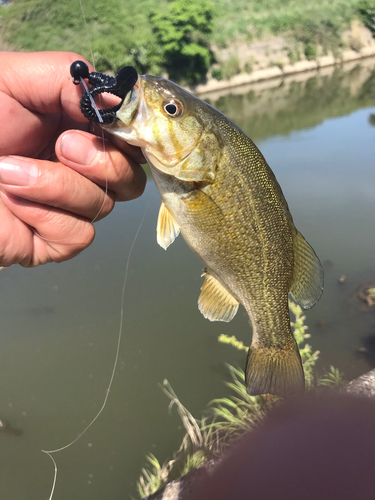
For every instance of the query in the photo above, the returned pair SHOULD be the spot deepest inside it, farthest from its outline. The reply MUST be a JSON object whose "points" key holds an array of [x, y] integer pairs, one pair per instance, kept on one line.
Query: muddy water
{"points": [[59, 324]]}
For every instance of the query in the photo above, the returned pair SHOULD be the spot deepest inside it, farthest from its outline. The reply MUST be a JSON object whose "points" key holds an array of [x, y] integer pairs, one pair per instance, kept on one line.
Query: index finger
{"points": [[41, 81], [36, 91]]}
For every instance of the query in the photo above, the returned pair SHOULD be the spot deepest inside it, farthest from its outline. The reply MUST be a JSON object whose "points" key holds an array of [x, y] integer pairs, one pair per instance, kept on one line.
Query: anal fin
{"points": [[308, 277], [167, 228], [215, 302]]}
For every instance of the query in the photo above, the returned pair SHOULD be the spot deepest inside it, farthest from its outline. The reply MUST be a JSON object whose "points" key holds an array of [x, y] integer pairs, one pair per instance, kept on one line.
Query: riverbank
{"points": [[277, 71], [181, 489], [298, 100]]}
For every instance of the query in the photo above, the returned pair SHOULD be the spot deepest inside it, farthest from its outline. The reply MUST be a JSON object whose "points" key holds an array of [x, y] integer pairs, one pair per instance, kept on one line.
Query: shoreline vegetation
{"points": [[204, 45], [227, 419]]}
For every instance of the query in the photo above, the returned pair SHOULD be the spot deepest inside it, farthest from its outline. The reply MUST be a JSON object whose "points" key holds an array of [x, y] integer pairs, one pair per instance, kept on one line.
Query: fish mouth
{"points": [[119, 85]]}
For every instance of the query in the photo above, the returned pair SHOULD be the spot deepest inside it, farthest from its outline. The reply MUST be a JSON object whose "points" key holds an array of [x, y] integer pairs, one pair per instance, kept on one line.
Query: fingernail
{"points": [[17, 171], [78, 148]]}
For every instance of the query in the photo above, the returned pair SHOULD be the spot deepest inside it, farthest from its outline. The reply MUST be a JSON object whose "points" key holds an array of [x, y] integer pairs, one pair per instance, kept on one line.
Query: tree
{"points": [[182, 34]]}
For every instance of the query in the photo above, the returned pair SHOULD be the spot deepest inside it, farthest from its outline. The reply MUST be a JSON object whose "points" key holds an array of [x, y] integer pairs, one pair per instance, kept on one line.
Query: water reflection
{"points": [[282, 106], [59, 323]]}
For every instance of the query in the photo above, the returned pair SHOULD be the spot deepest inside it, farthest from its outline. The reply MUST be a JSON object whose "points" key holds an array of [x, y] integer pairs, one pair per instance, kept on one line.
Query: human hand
{"points": [[314, 447], [55, 177]]}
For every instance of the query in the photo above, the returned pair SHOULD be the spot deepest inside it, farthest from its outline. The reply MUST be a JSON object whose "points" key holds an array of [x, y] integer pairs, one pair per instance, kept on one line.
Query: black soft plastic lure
{"points": [[118, 85]]}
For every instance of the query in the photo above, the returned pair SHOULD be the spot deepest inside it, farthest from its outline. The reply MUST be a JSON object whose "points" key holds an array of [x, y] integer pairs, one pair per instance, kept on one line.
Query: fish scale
{"points": [[219, 192]]}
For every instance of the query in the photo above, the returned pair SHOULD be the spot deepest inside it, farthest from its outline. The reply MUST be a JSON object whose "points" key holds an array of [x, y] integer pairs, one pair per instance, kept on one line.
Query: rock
{"points": [[362, 386], [362, 350], [180, 489]]}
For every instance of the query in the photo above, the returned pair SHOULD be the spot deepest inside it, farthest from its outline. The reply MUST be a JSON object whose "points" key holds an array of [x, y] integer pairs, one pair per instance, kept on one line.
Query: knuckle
{"points": [[79, 235]]}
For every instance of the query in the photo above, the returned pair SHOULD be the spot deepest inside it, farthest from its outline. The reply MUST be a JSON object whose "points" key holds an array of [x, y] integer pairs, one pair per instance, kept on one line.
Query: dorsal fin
{"points": [[308, 278], [215, 302], [167, 228]]}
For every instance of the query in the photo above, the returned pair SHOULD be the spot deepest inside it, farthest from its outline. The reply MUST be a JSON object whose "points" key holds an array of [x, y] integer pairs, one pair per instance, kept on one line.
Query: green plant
{"points": [[182, 34], [249, 65], [217, 73], [311, 51], [151, 480], [279, 64], [293, 55], [231, 66], [366, 11], [332, 378], [197, 446], [317, 34], [178, 38], [234, 416], [229, 417], [308, 356]]}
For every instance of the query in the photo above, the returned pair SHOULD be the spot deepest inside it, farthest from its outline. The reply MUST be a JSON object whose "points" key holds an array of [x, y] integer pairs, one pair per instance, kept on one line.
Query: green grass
{"points": [[119, 32], [240, 18], [115, 32]]}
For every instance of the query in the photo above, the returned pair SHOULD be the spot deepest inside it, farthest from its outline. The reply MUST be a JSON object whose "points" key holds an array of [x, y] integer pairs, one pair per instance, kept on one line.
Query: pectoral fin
{"points": [[167, 228], [204, 212], [215, 302], [308, 278]]}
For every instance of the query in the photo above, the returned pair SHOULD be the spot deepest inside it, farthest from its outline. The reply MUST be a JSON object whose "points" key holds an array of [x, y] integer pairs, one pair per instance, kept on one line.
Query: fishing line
{"points": [[87, 31], [119, 338], [83, 84], [121, 326], [100, 119], [105, 190]]}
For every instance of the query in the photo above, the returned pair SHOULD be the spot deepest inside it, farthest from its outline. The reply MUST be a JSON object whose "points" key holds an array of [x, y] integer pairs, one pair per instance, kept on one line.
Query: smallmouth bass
{"points": [[219, 192]]}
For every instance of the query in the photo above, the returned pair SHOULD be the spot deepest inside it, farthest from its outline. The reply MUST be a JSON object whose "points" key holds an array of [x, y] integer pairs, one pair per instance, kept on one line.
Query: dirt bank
{"points": [[272, 72], [270, 60]]}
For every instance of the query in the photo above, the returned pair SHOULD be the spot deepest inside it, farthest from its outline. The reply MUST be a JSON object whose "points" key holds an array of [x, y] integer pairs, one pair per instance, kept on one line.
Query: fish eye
{"points": [[173, 107]]}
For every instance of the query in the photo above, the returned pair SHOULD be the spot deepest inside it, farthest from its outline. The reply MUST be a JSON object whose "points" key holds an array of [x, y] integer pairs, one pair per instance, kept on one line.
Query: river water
{"points": [[59, 323]]}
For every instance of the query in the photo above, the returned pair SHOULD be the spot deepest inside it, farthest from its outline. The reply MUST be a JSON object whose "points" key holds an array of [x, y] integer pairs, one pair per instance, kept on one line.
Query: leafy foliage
{"points": [[332, 378], [231, 67], [196, 448], [314, 33], [183, 36], [109, 33], [366, 10], [238, 414], [151, 481], [178, 37], [308, 356]]}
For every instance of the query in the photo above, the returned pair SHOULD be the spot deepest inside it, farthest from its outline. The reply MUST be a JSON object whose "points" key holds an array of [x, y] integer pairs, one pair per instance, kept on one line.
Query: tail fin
{"points": [[271, 370]]}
